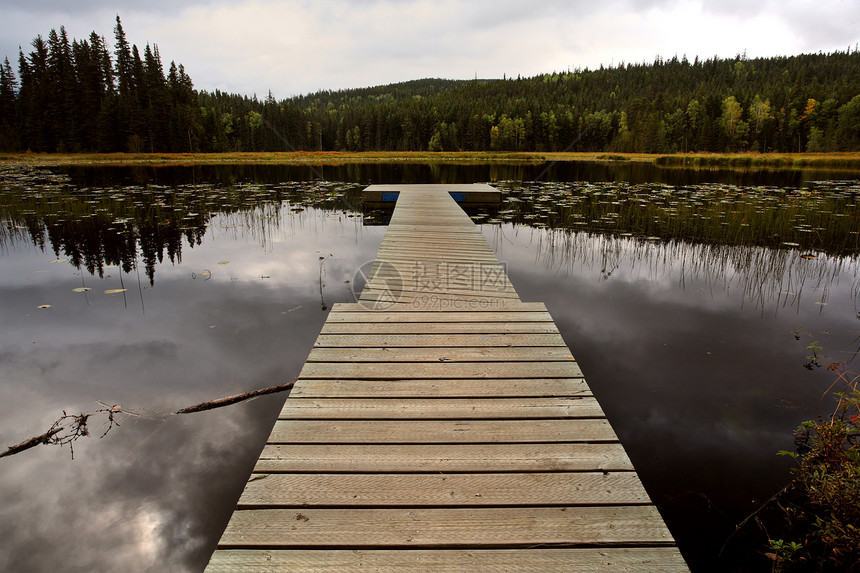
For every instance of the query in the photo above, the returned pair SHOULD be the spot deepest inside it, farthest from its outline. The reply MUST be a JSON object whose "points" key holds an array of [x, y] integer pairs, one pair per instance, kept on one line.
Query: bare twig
{"points": [[31, 443], [70, 427], [211, 405], [66, 431]]}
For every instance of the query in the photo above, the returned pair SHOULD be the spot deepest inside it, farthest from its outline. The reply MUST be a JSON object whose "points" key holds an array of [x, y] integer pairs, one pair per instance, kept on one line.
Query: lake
{"points": [[690, 298]]}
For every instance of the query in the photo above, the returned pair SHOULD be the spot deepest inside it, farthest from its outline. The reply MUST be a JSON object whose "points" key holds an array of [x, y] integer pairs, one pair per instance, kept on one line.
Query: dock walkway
{"points": [[440, 423]]}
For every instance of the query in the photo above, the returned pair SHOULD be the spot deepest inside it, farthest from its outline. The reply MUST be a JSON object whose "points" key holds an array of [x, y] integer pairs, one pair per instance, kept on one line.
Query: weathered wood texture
{"points": [[631, 560], [440, 423]]}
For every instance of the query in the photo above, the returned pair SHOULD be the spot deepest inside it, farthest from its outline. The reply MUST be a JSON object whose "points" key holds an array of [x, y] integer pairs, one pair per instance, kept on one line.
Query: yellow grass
{"points": [[736, 160]]}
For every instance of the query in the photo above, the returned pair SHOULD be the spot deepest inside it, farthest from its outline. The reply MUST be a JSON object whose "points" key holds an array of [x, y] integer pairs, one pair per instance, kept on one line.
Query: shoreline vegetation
{"points": [[836, 160]]}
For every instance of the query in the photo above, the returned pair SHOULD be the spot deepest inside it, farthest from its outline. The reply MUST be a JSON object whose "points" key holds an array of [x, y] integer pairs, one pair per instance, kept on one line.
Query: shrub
{"points": [[821, 504]]}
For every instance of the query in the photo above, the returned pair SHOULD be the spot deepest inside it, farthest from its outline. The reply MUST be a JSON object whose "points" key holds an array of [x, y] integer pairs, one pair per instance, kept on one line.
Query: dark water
{"points": [[690, 346], [452, 172]]}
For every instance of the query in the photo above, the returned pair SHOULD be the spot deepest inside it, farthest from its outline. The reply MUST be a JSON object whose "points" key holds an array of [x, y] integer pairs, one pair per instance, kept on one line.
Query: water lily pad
{"points": [[206, 274], [115, 290], [59, 261], [82, 289], [223, 262]]}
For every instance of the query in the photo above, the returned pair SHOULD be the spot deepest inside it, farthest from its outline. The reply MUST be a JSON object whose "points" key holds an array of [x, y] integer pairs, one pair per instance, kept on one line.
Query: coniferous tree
{"points": [[36, 98], [9, 119], [156, 101]]}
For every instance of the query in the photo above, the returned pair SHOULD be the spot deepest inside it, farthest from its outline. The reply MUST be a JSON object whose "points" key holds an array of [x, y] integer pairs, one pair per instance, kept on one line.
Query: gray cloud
{"points": [[298, 47]]}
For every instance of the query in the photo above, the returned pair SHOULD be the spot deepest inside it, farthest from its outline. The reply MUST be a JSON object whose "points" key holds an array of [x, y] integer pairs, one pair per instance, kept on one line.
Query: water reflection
{"points": [[447, 172], [96, 227], [155, 493], [696, 353], [767, 279]]}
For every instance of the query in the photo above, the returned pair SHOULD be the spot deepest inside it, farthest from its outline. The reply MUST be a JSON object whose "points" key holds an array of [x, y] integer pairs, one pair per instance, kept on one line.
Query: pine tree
{"points": [[125, 105], [61, 92], [157, 100], [8, 108], [35, 97]]}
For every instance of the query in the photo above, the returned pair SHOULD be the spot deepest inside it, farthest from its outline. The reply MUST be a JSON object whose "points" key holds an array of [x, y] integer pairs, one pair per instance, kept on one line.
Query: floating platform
{"points": [[442, 424], [474, 195]]}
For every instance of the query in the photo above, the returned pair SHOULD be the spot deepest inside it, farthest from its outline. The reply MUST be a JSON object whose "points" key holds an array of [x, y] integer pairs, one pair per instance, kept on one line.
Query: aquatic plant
{"points": [[822, 216], [821, 504], [100, 227]]}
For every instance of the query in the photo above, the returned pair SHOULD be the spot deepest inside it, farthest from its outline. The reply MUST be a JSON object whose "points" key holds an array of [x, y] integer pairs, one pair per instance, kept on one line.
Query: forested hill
{"points": [[85, 96]]}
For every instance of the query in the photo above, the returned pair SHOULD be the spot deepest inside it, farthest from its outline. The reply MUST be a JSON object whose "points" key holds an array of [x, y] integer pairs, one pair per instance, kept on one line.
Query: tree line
{"points": [[80, 96]]}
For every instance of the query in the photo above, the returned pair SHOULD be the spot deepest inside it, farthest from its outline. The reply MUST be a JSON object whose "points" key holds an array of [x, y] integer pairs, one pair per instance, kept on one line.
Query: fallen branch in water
{"points": [[66, 430], [70, 427], [31, 443], [203, 406]]}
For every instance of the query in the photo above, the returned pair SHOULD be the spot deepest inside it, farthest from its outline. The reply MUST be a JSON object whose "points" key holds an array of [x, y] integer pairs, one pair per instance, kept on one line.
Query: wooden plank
{"points": [[450, 354], [398, 370], [385, 458], [414, 263], [432, 284], [522, 308], [439, 408], [405, 236], [435, 283], [450, 527], [437, 243], [439, 328], [429, 189], [410, 294], [431, 254], [462, 316], [434, 302], [436, 340], [454, 388], [475, 490], [440, 431], [545, 560]]}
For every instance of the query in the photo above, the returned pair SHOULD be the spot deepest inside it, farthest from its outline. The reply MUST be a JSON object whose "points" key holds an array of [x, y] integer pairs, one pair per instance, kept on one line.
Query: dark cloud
{"points": [[299, 47]]}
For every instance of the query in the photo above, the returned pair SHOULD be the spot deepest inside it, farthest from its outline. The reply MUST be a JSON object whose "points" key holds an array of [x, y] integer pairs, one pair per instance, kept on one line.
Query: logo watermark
{"points": [[386, 282], [430, 285], [454, 302]]}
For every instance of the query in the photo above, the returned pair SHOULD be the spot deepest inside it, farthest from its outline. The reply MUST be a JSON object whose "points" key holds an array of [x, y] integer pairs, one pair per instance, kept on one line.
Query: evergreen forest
{"points": [[72, 96]]}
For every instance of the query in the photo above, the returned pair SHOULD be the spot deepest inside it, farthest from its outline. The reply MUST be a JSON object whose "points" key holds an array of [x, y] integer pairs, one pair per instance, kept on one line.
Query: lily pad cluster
{"points": [[98, 226], [824, 215]]}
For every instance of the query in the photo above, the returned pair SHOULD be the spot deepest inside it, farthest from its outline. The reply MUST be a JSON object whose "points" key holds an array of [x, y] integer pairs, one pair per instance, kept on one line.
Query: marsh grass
{"points": [[761, 160], [738, 161], [769, 279]]}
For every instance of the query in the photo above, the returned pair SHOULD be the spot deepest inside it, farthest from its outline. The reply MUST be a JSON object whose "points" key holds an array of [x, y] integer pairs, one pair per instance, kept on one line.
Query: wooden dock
{"points": [[440, 423]]}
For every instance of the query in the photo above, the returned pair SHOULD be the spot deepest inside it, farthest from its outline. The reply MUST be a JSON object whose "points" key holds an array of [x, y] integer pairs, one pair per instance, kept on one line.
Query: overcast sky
{"points": [[294, 47]]}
